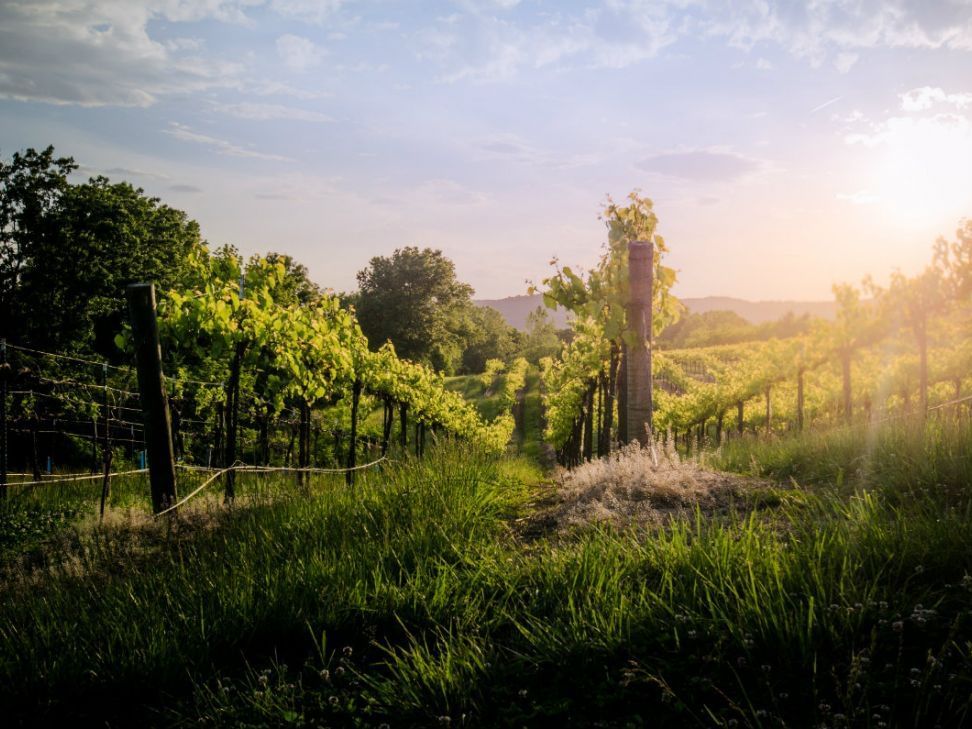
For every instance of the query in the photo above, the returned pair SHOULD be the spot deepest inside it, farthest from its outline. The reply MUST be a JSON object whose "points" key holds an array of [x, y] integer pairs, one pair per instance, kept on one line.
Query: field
{"points": [[840, 598]]}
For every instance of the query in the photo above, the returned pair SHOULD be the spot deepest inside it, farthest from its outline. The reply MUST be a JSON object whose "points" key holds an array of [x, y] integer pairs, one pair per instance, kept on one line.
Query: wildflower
{"points": [[333, 701], [919, 569], [347, 651], [445, 720], [339, 671], [897, 626], [325, 676], [522, 693]]}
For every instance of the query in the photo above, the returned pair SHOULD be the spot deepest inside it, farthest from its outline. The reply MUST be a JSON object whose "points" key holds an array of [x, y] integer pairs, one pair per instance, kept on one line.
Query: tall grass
{"points": [[409, 601]]}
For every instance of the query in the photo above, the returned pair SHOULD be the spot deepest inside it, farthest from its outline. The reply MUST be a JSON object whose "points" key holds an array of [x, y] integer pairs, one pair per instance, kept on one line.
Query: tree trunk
{"points": [[923, 367], [386, 426], [740, 417], [609, 398], [769, 411], [403, 423], [353, 445], [622, 385], [800, 399], [845, 363], [589, 423]]}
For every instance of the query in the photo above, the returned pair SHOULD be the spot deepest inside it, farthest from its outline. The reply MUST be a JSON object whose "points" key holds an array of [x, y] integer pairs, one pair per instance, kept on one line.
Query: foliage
{"points": [[414, 300], [68, 251], [409, 604]]}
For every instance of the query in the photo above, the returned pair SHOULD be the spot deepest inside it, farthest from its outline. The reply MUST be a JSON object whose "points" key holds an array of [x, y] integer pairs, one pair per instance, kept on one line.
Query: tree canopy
{"points": [[68, 251], [413, 299]]}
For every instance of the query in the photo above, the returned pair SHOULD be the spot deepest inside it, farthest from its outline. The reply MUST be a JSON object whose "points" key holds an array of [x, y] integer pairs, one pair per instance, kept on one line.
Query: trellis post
{"points": [[641, 256], [151, 386]]}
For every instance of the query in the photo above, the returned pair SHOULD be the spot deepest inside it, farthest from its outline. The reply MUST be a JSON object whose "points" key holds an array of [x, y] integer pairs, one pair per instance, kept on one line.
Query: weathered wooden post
{"points": [[151, 387], [4, 369], [641, 256]]}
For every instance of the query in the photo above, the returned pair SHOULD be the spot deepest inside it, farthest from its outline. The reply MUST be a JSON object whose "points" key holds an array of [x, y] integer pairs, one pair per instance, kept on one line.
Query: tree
{"points": [[540, 339], [912, 301], [31, 186], [490, 338], [414, 300], [68, 251]]}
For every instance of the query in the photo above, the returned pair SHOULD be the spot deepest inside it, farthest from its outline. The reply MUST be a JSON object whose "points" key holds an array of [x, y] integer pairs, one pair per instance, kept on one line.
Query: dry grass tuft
{"points": [[637, 485]]}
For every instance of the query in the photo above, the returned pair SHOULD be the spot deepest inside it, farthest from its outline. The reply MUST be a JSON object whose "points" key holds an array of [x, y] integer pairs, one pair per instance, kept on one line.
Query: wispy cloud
{"points": [[221, 146], [861, 197], [700, 165], [824, 105], [268, 112], [299, 53]]}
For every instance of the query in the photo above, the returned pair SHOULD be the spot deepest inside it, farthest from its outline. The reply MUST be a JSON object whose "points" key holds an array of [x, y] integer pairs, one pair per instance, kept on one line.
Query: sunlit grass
{"points": [[409, 600]]}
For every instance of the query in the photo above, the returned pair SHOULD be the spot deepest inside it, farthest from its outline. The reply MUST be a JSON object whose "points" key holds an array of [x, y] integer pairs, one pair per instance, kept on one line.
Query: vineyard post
{"points": [[641, 258], [740, 418], [106, 452], [4, 368], [155, 405]]}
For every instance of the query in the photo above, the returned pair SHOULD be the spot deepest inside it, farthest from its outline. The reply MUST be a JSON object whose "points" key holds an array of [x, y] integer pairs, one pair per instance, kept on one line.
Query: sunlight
{"points": [[921, 177]]}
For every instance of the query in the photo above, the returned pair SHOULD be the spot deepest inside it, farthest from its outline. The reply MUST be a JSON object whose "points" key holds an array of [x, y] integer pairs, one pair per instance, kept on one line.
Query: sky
{"points": [[786, 145]]}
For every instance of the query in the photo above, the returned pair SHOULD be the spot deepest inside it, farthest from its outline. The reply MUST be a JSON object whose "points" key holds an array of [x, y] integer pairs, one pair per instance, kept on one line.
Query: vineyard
{"points": [[250, 515]]}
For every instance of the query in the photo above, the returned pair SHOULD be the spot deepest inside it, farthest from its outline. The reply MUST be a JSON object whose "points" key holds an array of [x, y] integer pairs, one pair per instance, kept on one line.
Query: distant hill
{"points": [[515, 309]]}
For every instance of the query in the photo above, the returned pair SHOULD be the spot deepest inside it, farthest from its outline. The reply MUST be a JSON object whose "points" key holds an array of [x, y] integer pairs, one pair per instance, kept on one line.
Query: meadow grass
{"points": [[410, 601]]}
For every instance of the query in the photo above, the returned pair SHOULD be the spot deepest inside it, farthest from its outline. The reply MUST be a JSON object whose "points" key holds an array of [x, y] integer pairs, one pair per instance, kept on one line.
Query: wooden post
{"points": [[4, 369], [740, 417], [641, 258], [151, 387], [106, 451], [353, 445]]}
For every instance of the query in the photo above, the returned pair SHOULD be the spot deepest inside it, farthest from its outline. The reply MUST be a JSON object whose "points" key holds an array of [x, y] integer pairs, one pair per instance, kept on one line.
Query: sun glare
{"points": [[922, 176]]}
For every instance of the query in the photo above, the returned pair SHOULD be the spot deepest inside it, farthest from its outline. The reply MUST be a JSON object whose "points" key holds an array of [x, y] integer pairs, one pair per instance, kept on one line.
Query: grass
{"points": [[409, 601]]}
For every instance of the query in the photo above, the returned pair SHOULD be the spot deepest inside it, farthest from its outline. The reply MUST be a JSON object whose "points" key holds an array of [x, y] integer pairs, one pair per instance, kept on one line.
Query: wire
{"points": [[69, 357]]}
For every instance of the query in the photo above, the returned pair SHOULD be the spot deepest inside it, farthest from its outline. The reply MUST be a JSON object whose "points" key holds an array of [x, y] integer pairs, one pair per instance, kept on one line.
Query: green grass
{"points": [[407, 600]]}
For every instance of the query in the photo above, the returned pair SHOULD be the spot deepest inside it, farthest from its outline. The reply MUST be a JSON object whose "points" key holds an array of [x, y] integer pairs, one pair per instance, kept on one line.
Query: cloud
{"points": [[824, 105], [307, 11], [299, 53], [861, 197], [511, 147], [98, 54], [221, 146], [700, 165], [926, 96], [267, 112], [845, 61], [185, 188]]}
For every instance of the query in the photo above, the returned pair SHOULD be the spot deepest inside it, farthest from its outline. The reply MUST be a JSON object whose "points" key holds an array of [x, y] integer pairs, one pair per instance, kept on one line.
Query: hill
{"points": [[515, 309]]}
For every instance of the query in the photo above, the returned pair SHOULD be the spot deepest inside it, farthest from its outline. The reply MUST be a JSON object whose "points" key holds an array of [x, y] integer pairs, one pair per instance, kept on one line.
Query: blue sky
{"points": [[786, 145]]}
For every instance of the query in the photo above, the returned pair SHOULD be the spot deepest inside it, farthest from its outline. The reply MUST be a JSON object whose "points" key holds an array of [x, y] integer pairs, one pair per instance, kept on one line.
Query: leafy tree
{"points": [[68, 251], [541, 338], [414, 300], [490, 337]]}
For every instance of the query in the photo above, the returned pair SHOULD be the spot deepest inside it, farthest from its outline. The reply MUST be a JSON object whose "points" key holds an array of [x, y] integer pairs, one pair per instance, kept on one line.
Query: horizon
{"points": [[821, 143]]}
